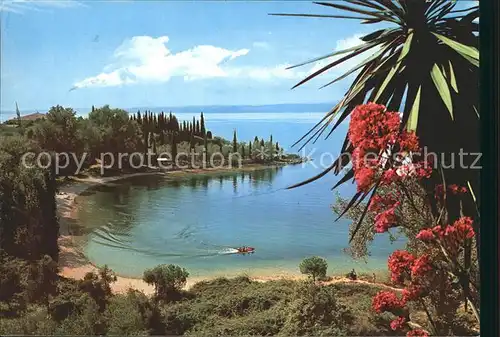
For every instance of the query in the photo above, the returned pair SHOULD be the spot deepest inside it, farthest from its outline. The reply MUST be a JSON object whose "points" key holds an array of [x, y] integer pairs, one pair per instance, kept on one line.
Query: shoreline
{"points": [[74, 264]]}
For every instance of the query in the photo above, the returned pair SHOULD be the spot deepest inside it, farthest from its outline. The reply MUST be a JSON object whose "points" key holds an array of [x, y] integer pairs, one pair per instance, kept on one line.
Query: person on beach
{"points": [[352, 275]]}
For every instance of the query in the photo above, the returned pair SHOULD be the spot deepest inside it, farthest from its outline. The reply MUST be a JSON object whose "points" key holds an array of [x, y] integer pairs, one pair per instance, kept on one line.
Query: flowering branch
{"points": [[375, 132]]}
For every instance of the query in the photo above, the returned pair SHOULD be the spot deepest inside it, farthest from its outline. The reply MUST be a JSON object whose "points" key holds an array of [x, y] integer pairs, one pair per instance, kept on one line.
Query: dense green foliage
{"points": [[314, 266], [238, 307], [168, 280], [28, 222]]}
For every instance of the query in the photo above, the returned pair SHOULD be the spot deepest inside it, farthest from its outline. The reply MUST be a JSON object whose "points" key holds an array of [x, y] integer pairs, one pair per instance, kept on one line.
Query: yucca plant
{"points": [[424, 64]]}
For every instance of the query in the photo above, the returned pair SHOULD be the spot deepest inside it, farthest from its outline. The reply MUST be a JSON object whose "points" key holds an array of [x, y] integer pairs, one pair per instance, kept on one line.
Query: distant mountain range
{"points": [[275, 108], [288, 107]]}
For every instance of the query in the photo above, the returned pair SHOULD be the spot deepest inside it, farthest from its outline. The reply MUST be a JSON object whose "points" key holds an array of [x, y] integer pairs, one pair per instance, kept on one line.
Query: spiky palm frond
{"points": [[425, 64]]}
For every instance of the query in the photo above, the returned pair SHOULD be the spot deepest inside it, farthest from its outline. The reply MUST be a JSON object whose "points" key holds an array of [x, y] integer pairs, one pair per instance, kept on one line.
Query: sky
{"points": [[167, 53]]}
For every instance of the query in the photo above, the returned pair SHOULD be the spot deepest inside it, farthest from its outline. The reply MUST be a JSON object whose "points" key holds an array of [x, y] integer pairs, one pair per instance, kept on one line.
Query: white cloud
{"points": [[261, 44], [146, 59], [22, 6]]}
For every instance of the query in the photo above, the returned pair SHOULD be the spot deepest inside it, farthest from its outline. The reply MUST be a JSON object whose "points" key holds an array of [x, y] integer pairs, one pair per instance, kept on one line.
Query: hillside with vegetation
{"points": [[108, 132]]}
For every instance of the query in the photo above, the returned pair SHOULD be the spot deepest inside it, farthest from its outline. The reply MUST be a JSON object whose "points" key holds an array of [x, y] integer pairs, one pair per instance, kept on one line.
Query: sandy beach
{"points": [[73, 263]]}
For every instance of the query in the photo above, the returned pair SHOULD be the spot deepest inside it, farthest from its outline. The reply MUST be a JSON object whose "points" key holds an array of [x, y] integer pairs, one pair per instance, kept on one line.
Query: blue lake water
{"points": [[142, 222]]}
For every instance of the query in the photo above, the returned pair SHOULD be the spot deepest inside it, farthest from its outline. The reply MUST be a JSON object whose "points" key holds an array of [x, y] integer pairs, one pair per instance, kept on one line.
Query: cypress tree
{"points": [[191, 141], [250, 149], [198, 132], [271, 148], [235, 142], [205, 140], [173, 146], [139, 118], [243, 151], [175, 124], [202, 125], [93, 108]]}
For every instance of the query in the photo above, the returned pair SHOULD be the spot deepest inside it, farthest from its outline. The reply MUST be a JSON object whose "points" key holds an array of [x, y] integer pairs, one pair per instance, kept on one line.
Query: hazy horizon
{"points": [[261, 108]]}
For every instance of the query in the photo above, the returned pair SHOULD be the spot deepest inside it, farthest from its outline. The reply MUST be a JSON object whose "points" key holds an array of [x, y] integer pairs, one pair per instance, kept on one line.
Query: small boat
{"points": [[245, 250]]}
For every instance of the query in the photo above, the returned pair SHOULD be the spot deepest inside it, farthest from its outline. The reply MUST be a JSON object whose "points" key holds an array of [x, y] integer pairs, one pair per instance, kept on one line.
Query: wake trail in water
{"points": [[228, 251], [220, 249]]}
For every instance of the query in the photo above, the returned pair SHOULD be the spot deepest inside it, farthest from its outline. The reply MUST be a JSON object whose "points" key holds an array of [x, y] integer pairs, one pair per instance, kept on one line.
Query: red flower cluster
{"points": [[417, 333], [400, 263], [411, 293], [372, 131], [375, 133], [373, 127], [426, 235], [451, 236], [378, 203], [408, 142], [398, 323], [364, 177], [423, 169], [421, 267], [386, 219], [387, 301], [453, 189]]}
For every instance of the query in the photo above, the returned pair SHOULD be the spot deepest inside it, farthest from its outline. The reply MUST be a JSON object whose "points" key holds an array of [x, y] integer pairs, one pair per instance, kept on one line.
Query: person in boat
{"points": [[244, 249]]}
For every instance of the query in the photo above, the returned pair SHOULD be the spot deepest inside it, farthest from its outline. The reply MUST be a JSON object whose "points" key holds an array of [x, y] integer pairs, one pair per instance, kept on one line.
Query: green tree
{"points": [[243, 150], [424, 63], [173, 146], [250, 149], [119, 134], [205, 143], [29, 228], [202, 125], [168, 280], [133, 314], [58, 132], [18, 114], [235, 142], [98, 286], [314, 266], [315, 311], [198, 131], [271, 146]]}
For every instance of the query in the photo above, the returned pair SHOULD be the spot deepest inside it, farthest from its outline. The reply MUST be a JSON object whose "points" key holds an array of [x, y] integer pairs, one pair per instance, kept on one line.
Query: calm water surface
{"points": [[146, 221]]}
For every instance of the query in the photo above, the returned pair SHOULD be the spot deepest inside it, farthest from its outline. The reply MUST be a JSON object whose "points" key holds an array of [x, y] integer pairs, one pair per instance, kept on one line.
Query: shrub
{"points": [[315, 311], [129, 314], [168, 280], [314, 266]]}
